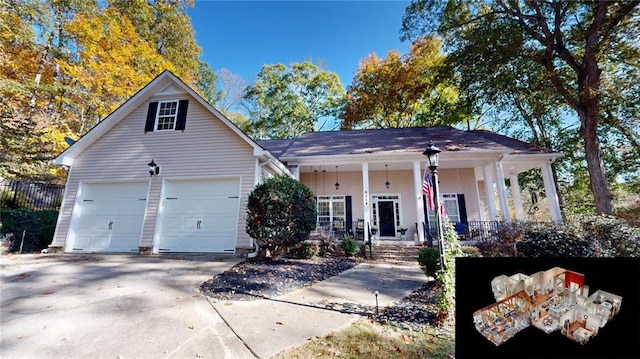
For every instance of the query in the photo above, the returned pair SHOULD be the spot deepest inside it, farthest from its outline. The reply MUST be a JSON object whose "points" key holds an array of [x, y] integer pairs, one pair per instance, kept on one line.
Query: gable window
{"points": [[167, 114]]}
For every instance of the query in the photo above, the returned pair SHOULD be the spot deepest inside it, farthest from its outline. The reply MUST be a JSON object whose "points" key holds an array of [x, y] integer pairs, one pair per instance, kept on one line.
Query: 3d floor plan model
{"points": [[549, 300]]}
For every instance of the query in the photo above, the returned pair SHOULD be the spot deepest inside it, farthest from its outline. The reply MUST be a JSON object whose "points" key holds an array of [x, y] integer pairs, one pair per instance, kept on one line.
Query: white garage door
{"points": [[109, 217], [199, 216]]}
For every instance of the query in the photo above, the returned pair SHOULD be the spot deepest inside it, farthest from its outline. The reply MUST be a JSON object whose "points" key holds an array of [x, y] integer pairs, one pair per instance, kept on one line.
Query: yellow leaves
{"points": [[113, 61]]}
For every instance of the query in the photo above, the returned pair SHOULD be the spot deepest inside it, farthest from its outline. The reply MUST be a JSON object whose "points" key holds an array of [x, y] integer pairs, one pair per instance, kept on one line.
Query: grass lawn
{"points": [[365, 339]]}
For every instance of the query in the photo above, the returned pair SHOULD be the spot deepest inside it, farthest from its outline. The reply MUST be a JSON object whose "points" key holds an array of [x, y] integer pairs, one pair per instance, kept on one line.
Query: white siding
{"points": [[206, 148]]}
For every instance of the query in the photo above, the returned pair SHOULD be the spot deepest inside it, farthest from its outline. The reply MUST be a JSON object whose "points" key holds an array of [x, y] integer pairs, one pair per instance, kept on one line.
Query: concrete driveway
{"points": [[112, 306]]}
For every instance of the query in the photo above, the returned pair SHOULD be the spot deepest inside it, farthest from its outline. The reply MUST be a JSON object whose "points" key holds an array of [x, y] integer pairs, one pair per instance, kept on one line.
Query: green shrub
{"points": [[304, 250], [615, 236], [556, 240], [429, 260], [446, 276], [38, 228], [350, 246], [281, 212]]}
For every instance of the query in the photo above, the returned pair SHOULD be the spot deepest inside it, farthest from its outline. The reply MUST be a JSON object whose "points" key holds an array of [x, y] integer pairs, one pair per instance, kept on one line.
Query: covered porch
{"points": [[377, 197]]}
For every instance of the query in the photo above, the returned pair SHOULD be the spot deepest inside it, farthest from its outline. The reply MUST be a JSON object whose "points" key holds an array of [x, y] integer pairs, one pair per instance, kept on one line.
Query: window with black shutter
{"points": [[167, 115]]}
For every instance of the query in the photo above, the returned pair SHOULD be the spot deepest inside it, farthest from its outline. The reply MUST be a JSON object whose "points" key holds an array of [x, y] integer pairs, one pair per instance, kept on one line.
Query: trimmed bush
{"points": [[350, 246], [429, 260], [281, 212], [39, 227]]}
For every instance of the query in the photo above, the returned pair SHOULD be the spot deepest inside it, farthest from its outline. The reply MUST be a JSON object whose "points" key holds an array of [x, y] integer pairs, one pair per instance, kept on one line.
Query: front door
{"points": [[387, 219]]}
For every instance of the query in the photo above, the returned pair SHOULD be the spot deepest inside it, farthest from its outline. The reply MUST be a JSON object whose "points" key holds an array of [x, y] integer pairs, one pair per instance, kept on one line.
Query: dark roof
{"points": [[396, 140], [276, 147]]}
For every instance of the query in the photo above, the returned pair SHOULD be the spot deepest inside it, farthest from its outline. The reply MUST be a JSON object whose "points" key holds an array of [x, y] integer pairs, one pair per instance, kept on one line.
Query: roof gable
{"points": [[164, 84]]}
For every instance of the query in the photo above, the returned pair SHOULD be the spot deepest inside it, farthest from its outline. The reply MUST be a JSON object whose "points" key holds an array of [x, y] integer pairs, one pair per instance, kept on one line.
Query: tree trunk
{"points": [[597, 172]]}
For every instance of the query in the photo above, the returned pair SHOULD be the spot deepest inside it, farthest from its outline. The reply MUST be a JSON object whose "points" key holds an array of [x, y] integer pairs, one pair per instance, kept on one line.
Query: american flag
{"points": [[427, 189]]}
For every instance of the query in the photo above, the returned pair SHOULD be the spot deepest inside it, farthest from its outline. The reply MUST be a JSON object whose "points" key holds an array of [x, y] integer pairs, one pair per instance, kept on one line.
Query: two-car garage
{"points": [[197, 215]]}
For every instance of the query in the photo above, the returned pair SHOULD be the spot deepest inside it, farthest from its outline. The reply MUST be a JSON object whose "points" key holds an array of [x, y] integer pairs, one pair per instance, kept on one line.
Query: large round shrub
{"points": [[281, 212]]}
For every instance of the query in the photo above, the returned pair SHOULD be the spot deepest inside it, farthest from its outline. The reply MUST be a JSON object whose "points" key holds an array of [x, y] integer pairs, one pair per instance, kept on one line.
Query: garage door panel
{"points": [[199, 216], [109, 217]]}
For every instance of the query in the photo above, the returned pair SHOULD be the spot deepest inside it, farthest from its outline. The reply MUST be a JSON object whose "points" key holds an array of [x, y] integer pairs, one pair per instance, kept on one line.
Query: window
{"points": [[167, 114], [450, 202], [331, 209]]}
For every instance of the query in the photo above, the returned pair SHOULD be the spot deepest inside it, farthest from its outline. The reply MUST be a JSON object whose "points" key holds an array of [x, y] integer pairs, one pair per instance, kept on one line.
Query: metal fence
{"points": [[31, 195], [481, 231]]}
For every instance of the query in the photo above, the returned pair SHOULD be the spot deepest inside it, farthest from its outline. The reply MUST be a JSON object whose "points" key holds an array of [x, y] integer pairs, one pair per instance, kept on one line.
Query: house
{"points": [[194, 197], [555, 299], [376, 176]]}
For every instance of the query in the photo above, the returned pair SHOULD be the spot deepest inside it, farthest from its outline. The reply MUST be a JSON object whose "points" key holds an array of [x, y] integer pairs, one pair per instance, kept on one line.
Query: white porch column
{"points": [[475, 180], [488, 189], [517, 197], [417, 186], [550, 190], [366, 200], [502, 191]]}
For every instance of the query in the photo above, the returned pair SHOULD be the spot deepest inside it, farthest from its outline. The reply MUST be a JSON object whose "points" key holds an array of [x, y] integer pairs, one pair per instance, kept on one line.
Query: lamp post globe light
{"points": [[432, 152]]}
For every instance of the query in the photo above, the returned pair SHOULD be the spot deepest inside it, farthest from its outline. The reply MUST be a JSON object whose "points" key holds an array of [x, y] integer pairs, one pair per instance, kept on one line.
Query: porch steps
{"points": [[395, 253]]}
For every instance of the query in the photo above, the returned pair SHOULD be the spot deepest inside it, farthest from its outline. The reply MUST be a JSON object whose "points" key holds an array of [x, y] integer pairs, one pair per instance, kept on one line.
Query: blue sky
{"points": [[241, 36]]}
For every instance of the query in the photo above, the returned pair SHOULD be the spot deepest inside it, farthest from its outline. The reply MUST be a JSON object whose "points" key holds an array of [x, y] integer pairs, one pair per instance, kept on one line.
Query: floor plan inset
{"points": [[549, 300]]}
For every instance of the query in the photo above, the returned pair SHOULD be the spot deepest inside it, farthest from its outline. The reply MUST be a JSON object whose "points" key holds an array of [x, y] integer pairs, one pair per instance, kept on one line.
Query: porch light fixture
{"points": [[154, 169], [386, 170], [337, 183], [432, 152]]}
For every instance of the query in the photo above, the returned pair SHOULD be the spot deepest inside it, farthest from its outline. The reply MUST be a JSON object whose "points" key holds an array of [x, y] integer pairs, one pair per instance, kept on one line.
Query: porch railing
{"points": [[478, 231]]}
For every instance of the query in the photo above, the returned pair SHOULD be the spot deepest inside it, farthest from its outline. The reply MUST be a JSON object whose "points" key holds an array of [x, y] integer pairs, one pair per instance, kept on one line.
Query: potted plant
{"points": [[402, 229], [374, 229]]}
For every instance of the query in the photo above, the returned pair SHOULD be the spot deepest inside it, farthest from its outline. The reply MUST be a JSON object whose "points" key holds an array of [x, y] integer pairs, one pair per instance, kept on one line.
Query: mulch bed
{"points": [[262, 278]]}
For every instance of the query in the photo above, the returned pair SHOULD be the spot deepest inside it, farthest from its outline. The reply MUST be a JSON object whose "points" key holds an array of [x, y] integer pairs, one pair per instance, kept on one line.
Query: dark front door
{"points": [[387, 222]]}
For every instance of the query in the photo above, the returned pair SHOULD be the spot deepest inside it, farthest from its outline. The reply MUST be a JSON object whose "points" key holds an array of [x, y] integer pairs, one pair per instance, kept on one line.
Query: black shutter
{"points": [[151, 117], [463, 208], [182, 115], [348, 214]]}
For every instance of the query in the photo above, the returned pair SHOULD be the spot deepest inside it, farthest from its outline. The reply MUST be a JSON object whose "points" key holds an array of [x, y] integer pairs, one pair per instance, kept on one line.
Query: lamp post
{"points": [[432, 152]]}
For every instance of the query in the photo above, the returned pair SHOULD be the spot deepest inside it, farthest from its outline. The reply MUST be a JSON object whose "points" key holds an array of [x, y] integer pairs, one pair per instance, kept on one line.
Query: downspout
{"points": [[255, 252]]}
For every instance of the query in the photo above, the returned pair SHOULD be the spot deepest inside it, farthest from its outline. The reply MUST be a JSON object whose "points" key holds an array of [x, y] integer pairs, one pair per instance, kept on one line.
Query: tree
{"points": [[232, 90], [288, 101], [578, 46], [112, 63], [281, 212], [403, 91], [206, 84], [165, 25]]}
